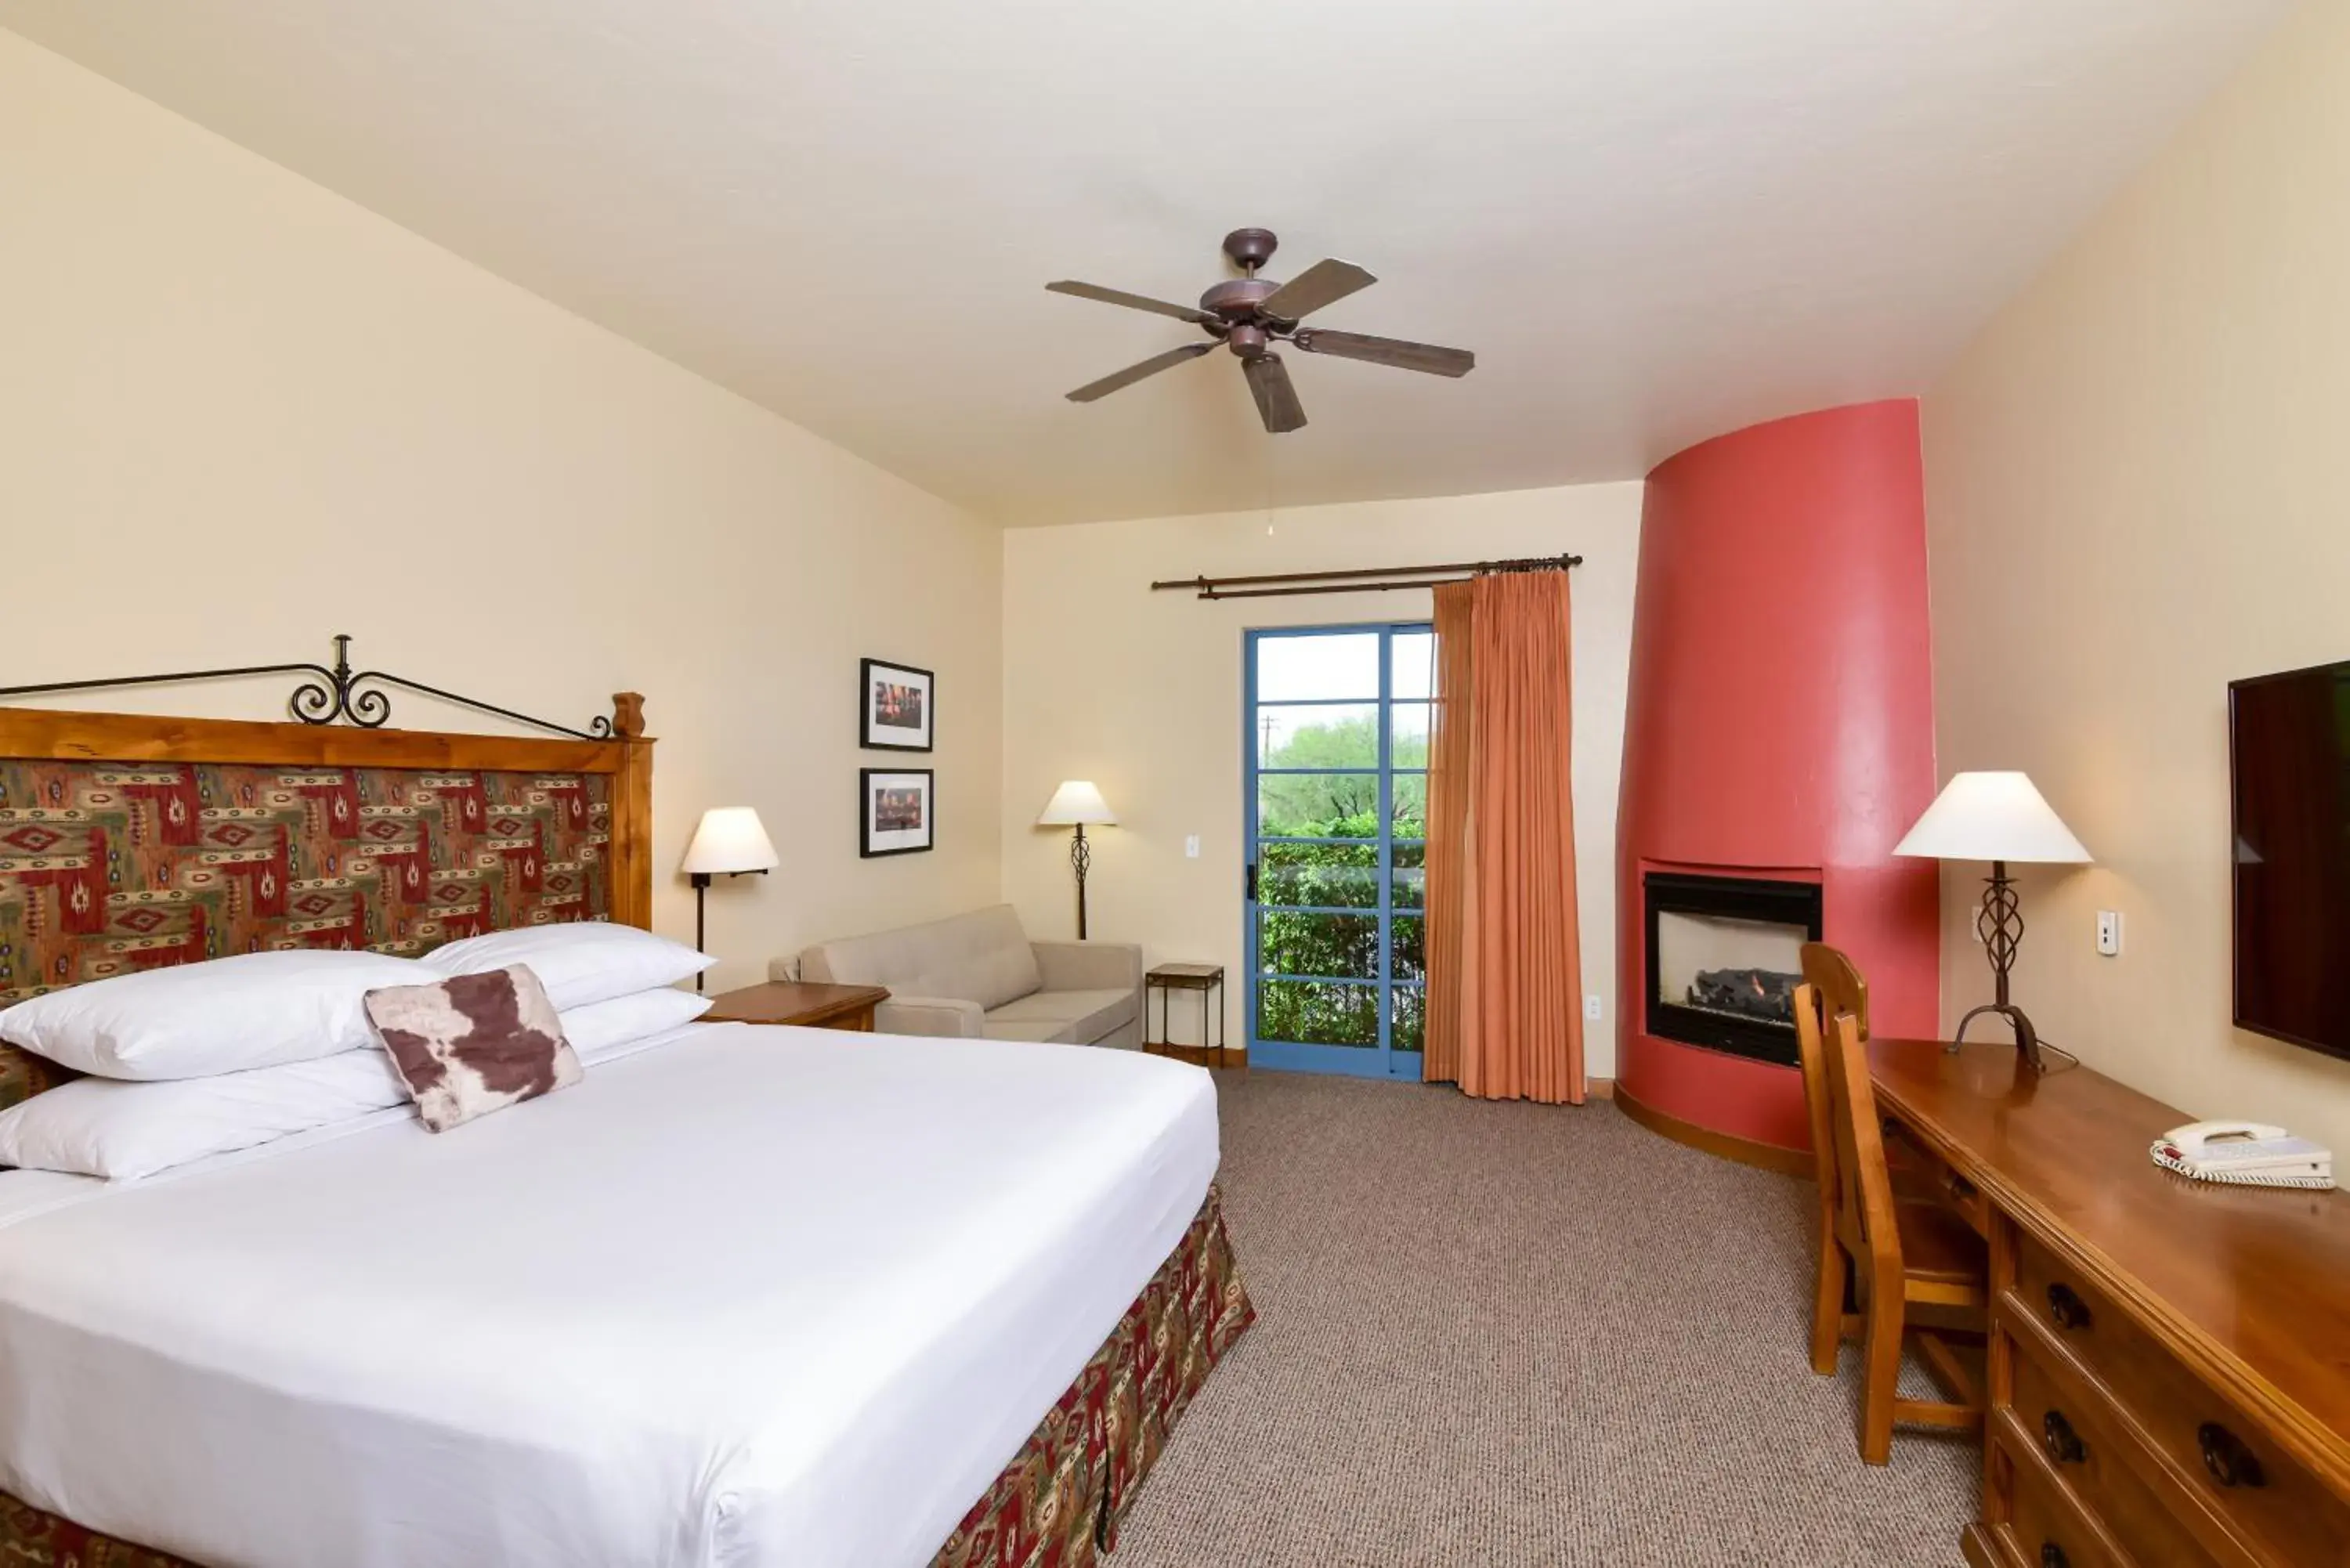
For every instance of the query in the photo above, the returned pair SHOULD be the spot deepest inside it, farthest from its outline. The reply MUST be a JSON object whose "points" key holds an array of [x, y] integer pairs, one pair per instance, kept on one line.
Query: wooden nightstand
{"points": [[810, 1006]]}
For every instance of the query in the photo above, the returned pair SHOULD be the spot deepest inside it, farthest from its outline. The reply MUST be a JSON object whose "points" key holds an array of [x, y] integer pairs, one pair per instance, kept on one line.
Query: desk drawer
{"points": [[1921, 1176], [2093, 1459], [2043, 1528], [2209, 1450]]}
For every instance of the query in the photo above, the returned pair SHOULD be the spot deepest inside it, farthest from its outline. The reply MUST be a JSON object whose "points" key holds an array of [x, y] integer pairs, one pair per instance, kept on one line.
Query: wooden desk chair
{"points": [[1831, 984], [1837, 986], [1902, 1254]]}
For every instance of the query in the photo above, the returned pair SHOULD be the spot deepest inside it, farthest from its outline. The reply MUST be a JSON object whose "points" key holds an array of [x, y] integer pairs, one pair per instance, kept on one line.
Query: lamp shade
{"points": [[1991, 816], [1076, 802], [729, 841]]}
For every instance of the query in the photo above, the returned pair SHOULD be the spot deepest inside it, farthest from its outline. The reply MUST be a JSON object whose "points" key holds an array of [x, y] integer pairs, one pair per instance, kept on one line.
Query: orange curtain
{"points": [[1504, 954], [1448, 771]]}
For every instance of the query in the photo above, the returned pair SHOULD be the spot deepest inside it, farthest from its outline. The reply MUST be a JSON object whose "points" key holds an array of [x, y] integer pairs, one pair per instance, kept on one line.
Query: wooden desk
{"points": [[2170, 1360], [809, 1005]]}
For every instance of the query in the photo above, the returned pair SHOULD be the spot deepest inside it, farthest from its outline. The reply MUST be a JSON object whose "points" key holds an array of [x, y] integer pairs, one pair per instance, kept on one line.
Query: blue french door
{"points": [[1337, 812]]}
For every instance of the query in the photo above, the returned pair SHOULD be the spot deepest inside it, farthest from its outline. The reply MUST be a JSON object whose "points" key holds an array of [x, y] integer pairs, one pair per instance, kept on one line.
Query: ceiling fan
{"points": [[1250, 315]]}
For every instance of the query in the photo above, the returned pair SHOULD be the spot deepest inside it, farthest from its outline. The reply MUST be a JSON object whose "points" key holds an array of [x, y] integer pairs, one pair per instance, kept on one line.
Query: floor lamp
{"points": [[731, 842], [1998, 818], [1075, 804]]}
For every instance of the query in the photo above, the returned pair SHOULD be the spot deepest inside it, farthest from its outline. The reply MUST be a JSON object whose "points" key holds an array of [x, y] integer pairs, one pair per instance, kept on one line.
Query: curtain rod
{"points": [[1352, 582]]}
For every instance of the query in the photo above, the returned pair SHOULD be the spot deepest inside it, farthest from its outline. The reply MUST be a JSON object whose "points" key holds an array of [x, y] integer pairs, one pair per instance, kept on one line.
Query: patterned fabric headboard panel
{"points": [[106, 867]]}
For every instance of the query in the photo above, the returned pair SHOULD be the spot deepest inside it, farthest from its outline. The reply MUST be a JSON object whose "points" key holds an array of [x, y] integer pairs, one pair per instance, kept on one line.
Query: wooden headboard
{"points": [[127, 842]]}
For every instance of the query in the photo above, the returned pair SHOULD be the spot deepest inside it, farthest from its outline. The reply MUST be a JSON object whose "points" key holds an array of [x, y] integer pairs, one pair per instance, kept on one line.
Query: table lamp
{"points": [[1074, 804], [1998, 818], [729, 843]]}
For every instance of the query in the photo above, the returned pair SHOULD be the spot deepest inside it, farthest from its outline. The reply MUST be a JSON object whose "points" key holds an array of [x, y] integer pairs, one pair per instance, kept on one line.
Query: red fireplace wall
{"points": [[1780, 721]]}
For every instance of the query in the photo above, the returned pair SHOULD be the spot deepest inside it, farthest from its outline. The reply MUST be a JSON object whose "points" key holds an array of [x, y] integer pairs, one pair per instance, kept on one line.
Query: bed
{"points": [[744, 1295]]}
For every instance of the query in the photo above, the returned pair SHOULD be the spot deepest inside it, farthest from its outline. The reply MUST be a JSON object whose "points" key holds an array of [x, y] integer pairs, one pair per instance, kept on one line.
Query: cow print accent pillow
{"points": [[473, 1043]]}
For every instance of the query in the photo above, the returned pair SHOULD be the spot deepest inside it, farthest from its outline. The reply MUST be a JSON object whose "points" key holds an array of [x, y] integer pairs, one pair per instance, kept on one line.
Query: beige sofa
{"points": [[979, 975]]}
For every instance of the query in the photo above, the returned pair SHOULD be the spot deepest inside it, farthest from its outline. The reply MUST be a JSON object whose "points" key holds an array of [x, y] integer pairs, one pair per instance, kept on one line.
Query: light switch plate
{"points": [[1192, 847], [2109, 932], [1591, 1008]]}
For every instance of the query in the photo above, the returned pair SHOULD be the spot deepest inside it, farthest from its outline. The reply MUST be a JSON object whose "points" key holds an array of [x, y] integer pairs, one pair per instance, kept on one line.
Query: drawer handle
{"points": [[2225, 1456], [2053, 1556], [2062, 1443], [2068, 1309]]}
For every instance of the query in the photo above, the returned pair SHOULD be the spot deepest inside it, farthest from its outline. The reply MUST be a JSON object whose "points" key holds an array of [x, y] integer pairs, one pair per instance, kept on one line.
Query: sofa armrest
{"points": [[929, 1016], [1089, 966]]}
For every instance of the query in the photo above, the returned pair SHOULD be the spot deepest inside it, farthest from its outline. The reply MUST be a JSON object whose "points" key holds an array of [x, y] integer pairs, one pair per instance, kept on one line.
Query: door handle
{"points": [[1248, 882]]}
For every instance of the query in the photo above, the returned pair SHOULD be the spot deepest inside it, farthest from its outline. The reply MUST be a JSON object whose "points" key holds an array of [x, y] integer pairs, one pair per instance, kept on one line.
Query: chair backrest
{"points": [[1838, 980], [1865, 1184], [1812, 1052]]}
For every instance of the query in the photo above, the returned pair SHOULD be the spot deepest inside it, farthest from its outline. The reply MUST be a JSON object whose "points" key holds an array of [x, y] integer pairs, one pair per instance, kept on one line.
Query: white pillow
{"points": [[224, 1015], [104, 1126], [580, 963], [121, 1130], [601, 1028]]}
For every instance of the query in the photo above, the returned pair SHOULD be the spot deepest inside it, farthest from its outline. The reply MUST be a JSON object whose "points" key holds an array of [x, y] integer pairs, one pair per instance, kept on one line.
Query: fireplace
{"points": [[1724, 961]]}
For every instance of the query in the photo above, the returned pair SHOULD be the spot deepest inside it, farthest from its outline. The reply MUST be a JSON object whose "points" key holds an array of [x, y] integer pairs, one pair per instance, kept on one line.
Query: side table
{"points": [[1207, 980], [809, 1005]]}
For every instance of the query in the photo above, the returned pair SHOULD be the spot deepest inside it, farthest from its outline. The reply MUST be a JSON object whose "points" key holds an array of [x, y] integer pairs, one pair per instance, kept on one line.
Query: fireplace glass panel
{"points": [[1735, 967]]}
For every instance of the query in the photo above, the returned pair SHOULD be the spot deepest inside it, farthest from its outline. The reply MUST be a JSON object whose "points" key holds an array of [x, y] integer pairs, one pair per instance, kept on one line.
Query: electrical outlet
{"points": [[1192, 847], [2109, 932], [1591, 1008]]}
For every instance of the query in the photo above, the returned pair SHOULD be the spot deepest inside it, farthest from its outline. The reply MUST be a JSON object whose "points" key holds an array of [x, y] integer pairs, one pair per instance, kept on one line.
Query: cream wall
{"points": [[239, 414], [1141, 692], [2138, 488]]}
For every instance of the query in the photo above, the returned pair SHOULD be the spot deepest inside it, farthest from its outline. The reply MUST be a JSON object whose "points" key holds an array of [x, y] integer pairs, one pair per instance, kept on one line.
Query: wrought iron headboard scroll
{"points": [[335, 694]]}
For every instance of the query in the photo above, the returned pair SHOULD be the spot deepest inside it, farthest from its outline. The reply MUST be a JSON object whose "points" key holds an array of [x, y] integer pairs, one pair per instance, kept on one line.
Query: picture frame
{"points": [[896, 812], [897, 706]]}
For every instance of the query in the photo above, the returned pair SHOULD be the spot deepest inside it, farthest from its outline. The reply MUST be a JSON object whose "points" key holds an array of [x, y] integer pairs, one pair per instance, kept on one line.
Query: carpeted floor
{"points": [[1505, 1335]]}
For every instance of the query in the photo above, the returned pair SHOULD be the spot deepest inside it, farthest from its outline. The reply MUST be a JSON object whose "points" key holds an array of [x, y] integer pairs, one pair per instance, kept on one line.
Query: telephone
{"points": [[2251, 1153]]}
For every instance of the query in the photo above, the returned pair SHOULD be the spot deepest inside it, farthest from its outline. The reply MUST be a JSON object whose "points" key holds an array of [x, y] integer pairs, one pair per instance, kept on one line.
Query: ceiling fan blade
{"points": [[1133, 373], [1395, 351], [1323, 282], [1276, 399], [1131, 301]]}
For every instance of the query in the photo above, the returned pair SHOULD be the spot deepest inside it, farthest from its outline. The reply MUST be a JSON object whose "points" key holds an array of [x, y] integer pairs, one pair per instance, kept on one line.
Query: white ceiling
{"points": [[1653, 219]]}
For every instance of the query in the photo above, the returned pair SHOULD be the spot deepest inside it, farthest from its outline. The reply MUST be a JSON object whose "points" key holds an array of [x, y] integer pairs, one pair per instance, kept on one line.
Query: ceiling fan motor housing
{"points": [[1236, 300]]}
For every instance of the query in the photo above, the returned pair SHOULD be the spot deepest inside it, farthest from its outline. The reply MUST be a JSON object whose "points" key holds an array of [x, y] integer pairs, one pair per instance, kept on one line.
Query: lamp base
{"points": [[2027, 1039]]}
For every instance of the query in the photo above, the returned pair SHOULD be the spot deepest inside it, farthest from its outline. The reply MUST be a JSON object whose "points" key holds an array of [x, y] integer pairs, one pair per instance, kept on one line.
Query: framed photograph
{"points": [[894, 811], [895, 706]]}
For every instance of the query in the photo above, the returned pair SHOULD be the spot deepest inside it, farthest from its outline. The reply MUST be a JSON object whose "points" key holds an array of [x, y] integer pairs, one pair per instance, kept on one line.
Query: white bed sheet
{"points": [[754, 1296]]}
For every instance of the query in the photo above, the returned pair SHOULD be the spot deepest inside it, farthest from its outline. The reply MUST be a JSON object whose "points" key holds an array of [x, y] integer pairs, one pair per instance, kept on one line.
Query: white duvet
{"points": [[751, 1295]]}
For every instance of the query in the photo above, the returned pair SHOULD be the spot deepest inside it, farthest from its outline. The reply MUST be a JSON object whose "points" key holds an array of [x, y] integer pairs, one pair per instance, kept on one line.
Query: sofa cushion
{"points": [[1071, 1017], [981, 956]]}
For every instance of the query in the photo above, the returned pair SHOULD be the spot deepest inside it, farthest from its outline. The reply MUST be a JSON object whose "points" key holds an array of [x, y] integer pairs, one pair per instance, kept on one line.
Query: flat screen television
{"points": [[2289, 751]]}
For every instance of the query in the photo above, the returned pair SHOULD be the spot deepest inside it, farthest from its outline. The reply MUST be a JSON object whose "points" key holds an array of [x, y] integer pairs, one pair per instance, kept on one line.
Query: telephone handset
{"points": [[2252, 1154]]}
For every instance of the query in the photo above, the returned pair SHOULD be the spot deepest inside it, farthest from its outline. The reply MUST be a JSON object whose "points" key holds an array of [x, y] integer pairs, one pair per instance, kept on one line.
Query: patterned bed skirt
{"points": [[1056, 1505]]}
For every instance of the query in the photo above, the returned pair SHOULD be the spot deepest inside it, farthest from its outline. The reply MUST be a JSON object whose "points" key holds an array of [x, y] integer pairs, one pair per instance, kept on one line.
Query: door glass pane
{"points": [[1410, 1011], [1311, 1013], [1410, 876], [1409, 722], [1413, 661], [1318, 805], [1411, 806], [1344, 947], [1334, 664], [1411, 957], [1317, 735], [1342, 875]]}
